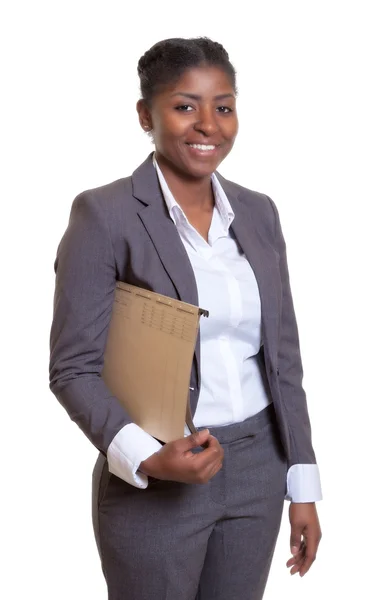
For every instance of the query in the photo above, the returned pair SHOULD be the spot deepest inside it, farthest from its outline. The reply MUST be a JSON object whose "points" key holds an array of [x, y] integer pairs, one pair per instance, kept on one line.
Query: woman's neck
{"points": [[192, 194]]}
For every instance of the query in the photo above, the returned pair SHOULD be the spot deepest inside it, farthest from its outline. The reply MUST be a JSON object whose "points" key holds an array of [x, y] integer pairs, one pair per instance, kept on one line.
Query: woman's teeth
{"points": [[202, 146]]}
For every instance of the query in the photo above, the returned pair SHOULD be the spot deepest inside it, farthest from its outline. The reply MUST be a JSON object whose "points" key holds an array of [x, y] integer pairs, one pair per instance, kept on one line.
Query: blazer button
{"points": [[277, 372]]}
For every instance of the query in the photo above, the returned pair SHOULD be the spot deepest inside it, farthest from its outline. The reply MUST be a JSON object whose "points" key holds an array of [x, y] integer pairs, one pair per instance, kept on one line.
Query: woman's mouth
{"points": [[203, 149]]}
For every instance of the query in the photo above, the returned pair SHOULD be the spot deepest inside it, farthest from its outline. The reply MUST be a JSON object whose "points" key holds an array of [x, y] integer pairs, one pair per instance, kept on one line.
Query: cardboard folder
{"points": [[148, 358]]}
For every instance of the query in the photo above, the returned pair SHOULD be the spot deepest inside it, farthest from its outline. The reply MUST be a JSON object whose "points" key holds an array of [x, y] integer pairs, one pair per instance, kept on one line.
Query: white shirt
{"points": [[233, 387]]}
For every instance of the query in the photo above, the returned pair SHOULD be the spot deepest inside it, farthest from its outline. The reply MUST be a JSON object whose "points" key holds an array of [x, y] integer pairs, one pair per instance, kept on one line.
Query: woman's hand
{"points": [[176, 461], [305, 536]]}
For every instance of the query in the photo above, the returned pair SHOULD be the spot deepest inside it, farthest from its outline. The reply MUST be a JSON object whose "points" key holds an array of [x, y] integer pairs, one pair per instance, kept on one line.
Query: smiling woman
{"points": [[193, 122], [197, 517], [191, 108]]}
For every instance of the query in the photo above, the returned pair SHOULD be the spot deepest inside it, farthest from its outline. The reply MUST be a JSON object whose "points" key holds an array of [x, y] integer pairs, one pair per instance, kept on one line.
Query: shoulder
{"points": [[106, 207], [105, 197], [260, 206]]}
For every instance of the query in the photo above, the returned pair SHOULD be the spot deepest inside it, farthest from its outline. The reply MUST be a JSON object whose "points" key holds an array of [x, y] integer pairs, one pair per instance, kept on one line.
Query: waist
{"points": [[226, 434]]}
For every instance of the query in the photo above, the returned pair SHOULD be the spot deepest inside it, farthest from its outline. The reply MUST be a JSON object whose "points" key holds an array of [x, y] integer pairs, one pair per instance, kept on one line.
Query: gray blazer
{"points": [[122, 231]]}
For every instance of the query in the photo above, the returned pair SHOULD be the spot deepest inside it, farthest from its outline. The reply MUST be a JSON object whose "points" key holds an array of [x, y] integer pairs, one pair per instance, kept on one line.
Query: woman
{"points": [[199, 517]]}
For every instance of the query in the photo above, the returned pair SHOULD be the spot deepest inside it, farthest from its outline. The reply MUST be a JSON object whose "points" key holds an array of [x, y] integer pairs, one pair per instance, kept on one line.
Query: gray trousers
{"points": [[175, 541]]}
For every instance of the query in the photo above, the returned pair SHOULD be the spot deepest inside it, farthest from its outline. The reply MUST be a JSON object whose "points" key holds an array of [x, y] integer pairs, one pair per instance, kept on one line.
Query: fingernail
{"points": [[294, 549]]}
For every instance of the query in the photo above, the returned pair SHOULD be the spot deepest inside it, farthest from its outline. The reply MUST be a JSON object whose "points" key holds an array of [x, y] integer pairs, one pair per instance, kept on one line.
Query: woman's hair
{"points": [[167, 60]]}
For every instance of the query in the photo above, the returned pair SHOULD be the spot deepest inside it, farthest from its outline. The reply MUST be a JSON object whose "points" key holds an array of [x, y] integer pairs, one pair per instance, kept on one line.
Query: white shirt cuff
{"points": [[303, 484], [127, 450]]}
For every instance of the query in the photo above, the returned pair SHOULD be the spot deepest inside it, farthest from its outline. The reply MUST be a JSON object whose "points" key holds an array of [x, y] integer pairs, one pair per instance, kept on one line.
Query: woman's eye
{"points": [[184, 107], [188, 108], [224, 109]]}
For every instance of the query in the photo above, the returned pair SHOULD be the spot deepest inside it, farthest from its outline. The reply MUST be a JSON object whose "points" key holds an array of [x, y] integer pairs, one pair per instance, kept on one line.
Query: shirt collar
{"points": [[177, 214]]}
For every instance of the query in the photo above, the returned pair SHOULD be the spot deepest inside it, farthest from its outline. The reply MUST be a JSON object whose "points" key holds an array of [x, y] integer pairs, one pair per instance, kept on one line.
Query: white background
{"points": [[68, 123]]}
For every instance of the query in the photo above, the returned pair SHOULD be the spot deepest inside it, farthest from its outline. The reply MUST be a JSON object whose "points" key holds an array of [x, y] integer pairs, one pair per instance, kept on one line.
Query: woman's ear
{"points": [[144, 116]]}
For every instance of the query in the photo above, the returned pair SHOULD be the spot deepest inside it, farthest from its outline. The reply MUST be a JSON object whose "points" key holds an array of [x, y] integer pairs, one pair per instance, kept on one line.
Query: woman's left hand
{"points": [[305, 536]]}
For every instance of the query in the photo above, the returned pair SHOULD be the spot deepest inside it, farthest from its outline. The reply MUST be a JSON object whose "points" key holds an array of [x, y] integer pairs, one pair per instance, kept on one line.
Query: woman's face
{"points": [[194, 121]]}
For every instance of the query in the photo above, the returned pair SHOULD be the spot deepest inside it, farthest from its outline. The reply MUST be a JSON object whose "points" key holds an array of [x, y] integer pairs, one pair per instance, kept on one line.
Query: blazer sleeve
{"points": [[290, 370], [84, 293]]}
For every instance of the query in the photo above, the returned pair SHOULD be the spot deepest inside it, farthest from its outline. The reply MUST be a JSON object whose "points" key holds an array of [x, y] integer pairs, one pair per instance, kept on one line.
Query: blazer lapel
{"points": [[165, 238], [264, 261], [163, 233]]}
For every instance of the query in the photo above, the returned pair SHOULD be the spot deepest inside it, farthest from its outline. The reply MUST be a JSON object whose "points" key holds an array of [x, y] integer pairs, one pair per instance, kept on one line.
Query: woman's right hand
{"points": [[176, 461]]}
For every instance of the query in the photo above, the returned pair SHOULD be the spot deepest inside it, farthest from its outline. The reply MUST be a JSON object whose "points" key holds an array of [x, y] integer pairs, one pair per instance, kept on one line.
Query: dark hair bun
{"points": [[167, 60]]}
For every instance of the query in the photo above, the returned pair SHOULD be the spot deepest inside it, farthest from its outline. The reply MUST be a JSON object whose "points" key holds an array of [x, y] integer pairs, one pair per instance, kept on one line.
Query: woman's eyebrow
{"points": [[197, 97]]}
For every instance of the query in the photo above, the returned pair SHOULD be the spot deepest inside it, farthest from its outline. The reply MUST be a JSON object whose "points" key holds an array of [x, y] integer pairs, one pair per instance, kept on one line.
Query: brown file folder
{"points": [[148, 358]]}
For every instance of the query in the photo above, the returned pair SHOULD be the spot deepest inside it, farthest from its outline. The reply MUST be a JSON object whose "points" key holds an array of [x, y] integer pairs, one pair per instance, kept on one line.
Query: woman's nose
{"points": [[206, 123]]}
